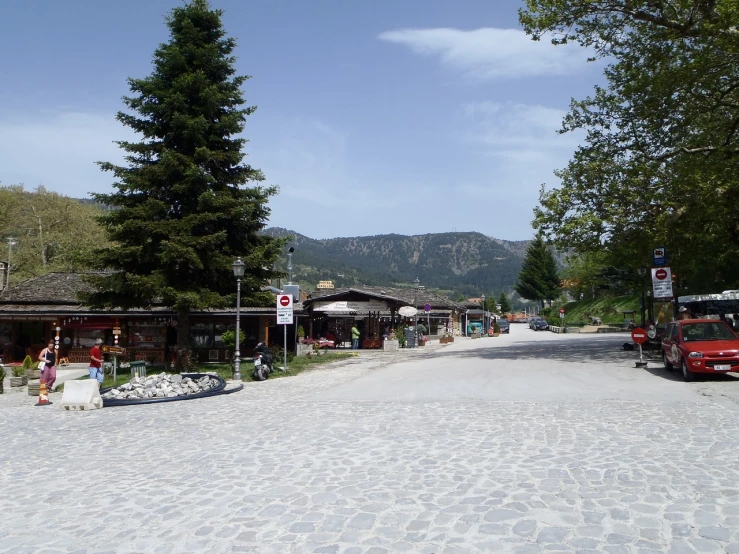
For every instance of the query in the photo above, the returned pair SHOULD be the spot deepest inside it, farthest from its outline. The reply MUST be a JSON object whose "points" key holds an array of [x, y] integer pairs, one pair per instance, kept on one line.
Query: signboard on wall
{"points": [[347, 306]]}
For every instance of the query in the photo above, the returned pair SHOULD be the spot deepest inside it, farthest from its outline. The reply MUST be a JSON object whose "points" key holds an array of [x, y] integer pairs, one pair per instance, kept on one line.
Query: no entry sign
{"points": [[284, 309], [662, 282], [639, 335]]}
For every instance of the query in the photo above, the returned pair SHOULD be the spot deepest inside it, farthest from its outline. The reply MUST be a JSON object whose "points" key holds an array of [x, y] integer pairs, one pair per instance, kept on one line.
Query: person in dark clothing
{"points": [[48, 374]]}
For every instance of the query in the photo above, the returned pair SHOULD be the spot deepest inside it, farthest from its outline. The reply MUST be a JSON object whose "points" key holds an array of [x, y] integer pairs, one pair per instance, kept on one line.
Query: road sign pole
{"points": [[284, 367], [115, 369]]}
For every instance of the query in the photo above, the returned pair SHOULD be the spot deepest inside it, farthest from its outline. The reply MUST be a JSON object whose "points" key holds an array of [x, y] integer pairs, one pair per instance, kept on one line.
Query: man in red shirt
{"points": [[96, 362]]}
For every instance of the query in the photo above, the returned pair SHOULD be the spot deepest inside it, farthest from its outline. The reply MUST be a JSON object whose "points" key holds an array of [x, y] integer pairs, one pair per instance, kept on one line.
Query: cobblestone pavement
{"points": [[275, 468]]}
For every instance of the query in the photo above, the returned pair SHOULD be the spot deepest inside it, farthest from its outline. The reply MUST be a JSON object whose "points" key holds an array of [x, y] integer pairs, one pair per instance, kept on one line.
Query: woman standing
{"points": [[48, 374]]}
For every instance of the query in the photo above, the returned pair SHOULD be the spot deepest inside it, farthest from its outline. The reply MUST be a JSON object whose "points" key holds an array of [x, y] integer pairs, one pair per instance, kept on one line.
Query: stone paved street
{"points": [[526, 443]]}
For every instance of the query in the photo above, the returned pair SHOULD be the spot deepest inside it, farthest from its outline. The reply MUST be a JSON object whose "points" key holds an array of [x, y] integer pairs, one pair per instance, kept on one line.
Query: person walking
{"points": [[48, 356], [96, 362], [355, 337]]}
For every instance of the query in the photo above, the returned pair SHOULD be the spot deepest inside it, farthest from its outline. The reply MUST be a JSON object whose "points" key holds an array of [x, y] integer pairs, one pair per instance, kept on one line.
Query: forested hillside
{"points": [[457, 263]]}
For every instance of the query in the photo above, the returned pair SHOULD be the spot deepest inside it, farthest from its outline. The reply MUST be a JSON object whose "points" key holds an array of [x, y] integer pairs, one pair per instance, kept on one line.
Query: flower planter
{"points": [[496, 334], [33, 373], [33, 388], [390, 345], [18, 381]]}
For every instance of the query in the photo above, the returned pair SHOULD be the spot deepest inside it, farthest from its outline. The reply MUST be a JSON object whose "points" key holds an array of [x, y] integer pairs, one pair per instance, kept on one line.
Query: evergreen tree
{"points": [[535, 277], [552, 282], [490, 304], [505, 305], [182, 208]]}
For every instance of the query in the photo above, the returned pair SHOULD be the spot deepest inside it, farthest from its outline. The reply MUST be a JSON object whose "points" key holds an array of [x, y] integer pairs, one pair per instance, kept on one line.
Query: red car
{"points": [[700, 346]]}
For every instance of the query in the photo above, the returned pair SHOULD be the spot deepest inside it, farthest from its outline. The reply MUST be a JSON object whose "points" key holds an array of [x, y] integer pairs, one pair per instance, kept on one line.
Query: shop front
{"points": [[41, 309], [375, 313]]}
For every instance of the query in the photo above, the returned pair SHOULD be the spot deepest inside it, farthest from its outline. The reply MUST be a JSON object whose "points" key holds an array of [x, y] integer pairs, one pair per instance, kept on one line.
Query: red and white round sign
{"points": [[661, 274], [284, 300], [639, 335]]}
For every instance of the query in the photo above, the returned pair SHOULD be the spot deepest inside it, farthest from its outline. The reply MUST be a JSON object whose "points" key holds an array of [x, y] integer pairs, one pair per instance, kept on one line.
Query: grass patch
{"points": [[297, 365], [608, 309]]}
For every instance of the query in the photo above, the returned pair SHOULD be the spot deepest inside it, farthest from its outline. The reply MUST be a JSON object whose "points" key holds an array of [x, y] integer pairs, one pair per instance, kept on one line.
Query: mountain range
{"points": [[455, 264]]}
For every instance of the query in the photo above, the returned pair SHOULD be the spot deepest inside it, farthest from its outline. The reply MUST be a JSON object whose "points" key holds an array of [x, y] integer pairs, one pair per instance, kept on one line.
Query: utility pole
{"points": [[11, 242]]}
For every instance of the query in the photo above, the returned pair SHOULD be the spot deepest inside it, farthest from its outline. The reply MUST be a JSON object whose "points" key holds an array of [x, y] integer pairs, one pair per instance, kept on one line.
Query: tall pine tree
{"points": [[183, 207], [538, 279], [505, 304]]}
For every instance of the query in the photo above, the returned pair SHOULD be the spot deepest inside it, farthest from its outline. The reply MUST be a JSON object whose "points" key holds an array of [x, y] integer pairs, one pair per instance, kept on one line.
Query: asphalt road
{"points": [[524, 365], [528, 443]]}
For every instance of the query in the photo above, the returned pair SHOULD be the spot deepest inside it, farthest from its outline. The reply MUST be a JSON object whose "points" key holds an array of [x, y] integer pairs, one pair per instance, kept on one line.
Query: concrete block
{"points": [[303, 349], [390, 345], [81, 395]]}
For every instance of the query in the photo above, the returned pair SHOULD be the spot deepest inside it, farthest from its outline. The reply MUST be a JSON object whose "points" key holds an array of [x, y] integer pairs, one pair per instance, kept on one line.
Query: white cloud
{"points": [[517, 129], [522, 148], [59, 150], [490, 53]]}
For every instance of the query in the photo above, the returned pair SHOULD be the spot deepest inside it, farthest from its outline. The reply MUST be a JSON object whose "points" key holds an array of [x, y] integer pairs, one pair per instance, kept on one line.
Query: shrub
{"points": [[18, 371], [28, 363], [277, 354], [228, 339], [301, 331], [496, 327], [2, 373]]}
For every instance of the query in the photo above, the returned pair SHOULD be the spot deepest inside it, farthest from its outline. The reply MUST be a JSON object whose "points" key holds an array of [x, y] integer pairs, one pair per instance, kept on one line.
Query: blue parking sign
{"points": [[659, 256]]}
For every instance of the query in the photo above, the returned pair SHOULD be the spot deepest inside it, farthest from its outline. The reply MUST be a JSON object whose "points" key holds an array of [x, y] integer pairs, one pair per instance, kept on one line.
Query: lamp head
{"points": [[291, 250], [238, 268]]}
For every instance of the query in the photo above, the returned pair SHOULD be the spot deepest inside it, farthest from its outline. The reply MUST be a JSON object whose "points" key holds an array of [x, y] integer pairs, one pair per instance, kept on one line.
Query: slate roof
{"points": [[57, 293], [53, 288], [400, 295]]}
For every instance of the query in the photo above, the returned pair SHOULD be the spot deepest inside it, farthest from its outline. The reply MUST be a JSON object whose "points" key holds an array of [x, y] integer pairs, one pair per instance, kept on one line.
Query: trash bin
{"points": [[138, 368]]}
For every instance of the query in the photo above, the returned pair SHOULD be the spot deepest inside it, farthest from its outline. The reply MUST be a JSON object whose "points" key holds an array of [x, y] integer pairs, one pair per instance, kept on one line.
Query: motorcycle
{"points": [[262, 362]]}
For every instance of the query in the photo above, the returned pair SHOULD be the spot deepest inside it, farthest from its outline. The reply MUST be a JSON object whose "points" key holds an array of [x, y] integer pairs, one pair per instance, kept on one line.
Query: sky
{"points": [[411, 117]]}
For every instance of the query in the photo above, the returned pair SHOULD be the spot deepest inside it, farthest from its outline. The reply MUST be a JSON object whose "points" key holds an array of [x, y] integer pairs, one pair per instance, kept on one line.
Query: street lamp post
{"points": [[484, 328], [11, 243], [238, 269], [416, 282]]}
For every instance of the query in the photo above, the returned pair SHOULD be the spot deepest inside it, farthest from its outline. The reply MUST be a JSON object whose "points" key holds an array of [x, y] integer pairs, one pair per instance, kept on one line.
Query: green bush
{"points": [[28, 363], [18, 371], [2, 372], [228, 339], [301, 331], [277, 355], [496, 327]]}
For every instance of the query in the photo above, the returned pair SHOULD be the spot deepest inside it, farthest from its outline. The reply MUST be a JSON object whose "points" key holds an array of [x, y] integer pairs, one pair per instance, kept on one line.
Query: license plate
{"points": [[257, 362], [724, 367]]}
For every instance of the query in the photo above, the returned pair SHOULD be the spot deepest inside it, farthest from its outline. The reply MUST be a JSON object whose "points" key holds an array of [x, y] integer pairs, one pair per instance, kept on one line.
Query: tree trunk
{"points": [[183, 337]]}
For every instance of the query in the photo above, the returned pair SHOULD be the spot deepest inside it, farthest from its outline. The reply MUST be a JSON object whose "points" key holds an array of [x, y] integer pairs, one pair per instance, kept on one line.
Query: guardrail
{"points": [[555, 329]]}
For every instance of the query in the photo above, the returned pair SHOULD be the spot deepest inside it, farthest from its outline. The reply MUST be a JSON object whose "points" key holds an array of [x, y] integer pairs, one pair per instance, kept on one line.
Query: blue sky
{"points": [[373, 117]]}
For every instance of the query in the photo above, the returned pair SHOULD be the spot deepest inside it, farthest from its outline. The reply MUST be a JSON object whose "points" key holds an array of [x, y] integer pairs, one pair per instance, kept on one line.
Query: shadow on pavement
{"points": [[676, 375], [577, 351]]}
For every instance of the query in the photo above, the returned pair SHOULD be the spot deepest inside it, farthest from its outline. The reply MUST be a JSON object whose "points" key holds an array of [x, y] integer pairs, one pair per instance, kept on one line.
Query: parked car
{"points": [[534, 320], [540, 325], [504, 324], [700, 346]]}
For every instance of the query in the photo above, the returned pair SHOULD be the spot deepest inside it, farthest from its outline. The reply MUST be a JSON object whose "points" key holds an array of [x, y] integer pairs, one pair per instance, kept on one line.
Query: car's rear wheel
{"points": [[688, 375], [668, 365]]}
